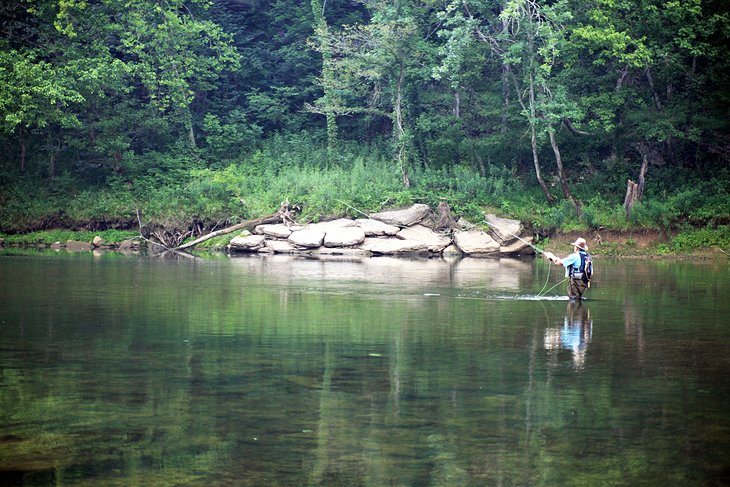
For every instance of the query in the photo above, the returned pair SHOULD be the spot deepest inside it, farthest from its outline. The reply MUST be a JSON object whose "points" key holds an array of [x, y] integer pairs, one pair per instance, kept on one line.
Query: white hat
{"points": [[581, 243]]}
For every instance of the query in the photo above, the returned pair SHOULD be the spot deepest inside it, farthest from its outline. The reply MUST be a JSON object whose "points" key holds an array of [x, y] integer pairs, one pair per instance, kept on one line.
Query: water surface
{"points": [[278, 370]]}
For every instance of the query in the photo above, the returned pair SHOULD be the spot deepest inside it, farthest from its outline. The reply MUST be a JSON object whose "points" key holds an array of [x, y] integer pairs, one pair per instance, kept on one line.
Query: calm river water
{"points": [[282, 371]]}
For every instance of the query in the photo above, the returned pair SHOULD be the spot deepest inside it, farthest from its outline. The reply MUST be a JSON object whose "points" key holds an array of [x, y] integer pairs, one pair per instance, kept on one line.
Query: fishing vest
{"points": [[584, 271]]}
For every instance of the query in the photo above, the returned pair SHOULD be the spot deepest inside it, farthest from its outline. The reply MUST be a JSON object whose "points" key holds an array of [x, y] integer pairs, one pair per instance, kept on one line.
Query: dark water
{"points": [[268, 371]]}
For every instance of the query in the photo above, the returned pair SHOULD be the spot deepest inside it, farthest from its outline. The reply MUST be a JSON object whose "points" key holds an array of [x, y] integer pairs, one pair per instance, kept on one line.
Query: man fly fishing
{"points": [[578, 268]]}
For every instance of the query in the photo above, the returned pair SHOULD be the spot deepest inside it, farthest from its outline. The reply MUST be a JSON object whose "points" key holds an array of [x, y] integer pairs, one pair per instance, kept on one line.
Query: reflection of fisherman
{"points": [[576, 268], [574, 335]]}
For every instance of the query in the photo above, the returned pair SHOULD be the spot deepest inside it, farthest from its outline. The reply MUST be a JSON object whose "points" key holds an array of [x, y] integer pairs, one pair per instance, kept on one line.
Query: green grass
{"points": [[48, 237]]}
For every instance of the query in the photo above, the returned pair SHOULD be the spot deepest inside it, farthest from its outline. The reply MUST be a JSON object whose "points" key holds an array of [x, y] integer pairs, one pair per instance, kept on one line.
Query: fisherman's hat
{"points": [[581, 243]]}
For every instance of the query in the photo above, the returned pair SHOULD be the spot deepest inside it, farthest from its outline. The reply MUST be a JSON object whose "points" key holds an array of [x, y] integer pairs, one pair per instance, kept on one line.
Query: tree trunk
{"points": [[533, 140], [561, 174], [321, 32], [21, 138], [399, 129], [634, 191], [275, 218]]}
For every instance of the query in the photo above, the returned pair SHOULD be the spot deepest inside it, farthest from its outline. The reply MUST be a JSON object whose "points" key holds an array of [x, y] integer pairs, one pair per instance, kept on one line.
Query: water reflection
{"points": [[574, 335], [409, 275]]}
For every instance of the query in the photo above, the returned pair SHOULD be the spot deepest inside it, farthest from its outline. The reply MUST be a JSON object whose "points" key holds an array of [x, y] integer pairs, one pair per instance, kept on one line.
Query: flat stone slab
{"points": [[503, 229], [332, 225], [344, 237], [404, 217], [247, 243], [375, 228], [390, 246], [436, 242], [280, 246], [307, 238], [278, 230], [475, 242], [518, 247]]}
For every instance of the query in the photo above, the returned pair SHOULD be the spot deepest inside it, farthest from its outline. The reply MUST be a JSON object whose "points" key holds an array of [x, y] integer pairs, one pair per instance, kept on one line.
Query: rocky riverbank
{"points": [[409, 231]]}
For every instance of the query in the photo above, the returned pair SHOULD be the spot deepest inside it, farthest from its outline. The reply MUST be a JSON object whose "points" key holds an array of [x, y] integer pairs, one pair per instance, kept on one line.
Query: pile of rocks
{"points": [[398, 232]]}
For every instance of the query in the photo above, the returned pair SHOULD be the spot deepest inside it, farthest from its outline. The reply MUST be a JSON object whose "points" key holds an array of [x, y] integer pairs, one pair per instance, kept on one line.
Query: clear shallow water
{"points": [[284, 371]]}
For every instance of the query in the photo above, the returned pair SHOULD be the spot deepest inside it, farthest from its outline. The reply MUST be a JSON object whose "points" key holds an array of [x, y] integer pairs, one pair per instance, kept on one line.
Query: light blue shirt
{"points": [[571, 260]]}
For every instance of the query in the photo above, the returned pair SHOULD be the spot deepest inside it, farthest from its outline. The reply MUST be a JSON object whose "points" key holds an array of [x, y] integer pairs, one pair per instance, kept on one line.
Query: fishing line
{"points": [[546, 281], [558, 284]]}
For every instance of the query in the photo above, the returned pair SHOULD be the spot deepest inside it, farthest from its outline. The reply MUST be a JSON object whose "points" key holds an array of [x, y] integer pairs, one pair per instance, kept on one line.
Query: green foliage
{"points": [[48, 237], [693, 239]]}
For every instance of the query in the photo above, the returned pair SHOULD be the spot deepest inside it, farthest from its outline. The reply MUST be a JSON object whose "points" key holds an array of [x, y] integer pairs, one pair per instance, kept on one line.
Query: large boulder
{"points": [[504, 230], [436, 242], [390, 246], [247, 243], [475, 242], [344, 237], [307, 238], [375, 228], [404, 217]]}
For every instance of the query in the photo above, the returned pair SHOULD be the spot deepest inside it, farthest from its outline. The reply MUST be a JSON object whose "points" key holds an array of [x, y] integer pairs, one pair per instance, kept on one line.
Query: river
{"points": [[284, 371]]}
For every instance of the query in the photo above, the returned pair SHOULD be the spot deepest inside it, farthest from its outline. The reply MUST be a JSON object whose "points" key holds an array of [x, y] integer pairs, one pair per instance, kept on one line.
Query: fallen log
{"points": [[275, 218]]}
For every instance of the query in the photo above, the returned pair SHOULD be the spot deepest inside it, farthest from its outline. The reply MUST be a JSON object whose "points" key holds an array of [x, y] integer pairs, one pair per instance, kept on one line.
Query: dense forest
{"points": [[567, 114]]}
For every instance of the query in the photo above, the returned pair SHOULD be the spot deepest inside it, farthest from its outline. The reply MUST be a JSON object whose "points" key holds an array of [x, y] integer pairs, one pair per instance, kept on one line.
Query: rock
{"points": [[518, 247], [278, 230], [404, 217], [332, 225], [279, 247], [56, 245], [307, 238], [344, 237], [249, 243], [389, 246], [435, 242], [127, 245], [451, 250], [97, 242], [375, 228], [76, 246], [475, 242], [503, 229]]}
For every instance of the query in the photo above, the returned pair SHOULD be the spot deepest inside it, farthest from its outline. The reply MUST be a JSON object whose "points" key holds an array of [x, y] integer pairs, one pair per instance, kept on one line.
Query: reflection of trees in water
{"points": [[574, 335], [634, 327]]}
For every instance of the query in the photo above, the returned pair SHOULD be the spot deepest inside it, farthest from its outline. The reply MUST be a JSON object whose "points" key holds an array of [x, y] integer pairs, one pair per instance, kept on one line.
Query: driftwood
{"points": [[284, 215], [275, 218]]}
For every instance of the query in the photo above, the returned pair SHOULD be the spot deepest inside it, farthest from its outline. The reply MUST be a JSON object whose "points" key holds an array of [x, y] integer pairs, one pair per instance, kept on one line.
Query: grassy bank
{"points": [[681, 214]]}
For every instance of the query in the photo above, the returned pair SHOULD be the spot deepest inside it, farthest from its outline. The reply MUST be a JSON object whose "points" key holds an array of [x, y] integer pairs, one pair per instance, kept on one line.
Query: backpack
{"points": [[584, 271]]}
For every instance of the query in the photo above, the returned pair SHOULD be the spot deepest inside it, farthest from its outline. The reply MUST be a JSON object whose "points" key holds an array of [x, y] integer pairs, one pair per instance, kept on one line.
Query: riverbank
{"points": [[644, 243]]}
